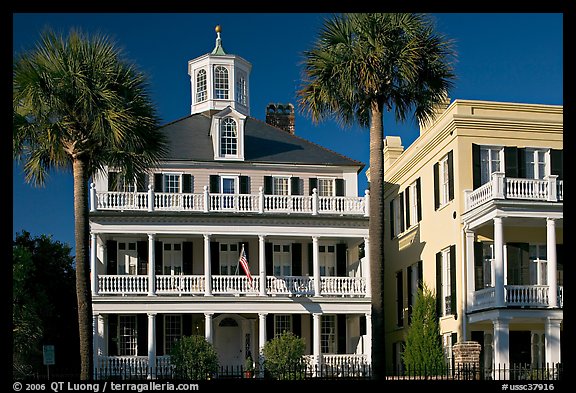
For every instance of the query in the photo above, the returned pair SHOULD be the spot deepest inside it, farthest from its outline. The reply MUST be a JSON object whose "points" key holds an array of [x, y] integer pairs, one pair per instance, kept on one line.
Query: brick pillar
{"points": [[466, 360]]}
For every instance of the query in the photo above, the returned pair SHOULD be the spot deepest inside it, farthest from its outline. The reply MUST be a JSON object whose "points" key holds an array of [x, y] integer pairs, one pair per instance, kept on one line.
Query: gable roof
{"points": [[189, 140]]}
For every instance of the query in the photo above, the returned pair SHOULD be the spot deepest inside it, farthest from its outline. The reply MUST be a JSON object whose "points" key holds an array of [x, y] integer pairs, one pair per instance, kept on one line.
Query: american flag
{"points": [[244, 263]]}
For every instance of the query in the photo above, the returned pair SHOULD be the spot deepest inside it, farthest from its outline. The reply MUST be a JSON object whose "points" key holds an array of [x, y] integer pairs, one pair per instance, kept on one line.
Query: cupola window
{"points": [[221, 83], [201, 93]]}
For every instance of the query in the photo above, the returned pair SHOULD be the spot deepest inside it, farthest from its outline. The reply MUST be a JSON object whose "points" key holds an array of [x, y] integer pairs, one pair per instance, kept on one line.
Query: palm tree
{"points": [[78, 105], [361, 65]]}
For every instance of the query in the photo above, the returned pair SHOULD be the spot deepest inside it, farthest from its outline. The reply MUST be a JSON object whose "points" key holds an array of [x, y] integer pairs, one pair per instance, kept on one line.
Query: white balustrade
{"points": [[290, 285], [234, 285], [179, 284], [343, 286], [122, 284], [516, 296]]}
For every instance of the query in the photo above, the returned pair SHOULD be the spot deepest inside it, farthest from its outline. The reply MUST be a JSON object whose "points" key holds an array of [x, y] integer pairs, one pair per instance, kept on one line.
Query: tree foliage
{"points": [[423, 354], [194, 358], [284, 356]]}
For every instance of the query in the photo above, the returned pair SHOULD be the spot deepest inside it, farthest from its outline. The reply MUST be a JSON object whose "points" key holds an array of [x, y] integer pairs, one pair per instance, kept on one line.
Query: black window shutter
{"points": [[214, 184], [142, 334], [113, 181], [341, 260], [339, 187], [420, 276], [511, 161], [112, 334], [522, 163], [362, 325], [186, 324], [215, 257], [187, 183], [160, 334], [269, 327], [295, 185], [341, 331], [158, 182], [556, 163], [559, 263], [476, 168], [478, 266], [187, 257], [297, 325], [142, 250], [409, 289], [268, 185], [244, 186], [312, 184], [436, 186], [297, 259], [407, 204], [268, 255], [158, 254], [439, 284], [399, 299], [450, 175], [401, 200], [112, 257], [310, 259], [141, 182], [453, 281], [391, 215], [419, 199]]}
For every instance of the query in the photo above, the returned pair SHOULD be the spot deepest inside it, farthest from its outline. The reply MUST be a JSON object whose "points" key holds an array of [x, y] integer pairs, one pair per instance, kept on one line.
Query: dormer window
{"points": [[201, 86], [228, 138], [221, 86]]}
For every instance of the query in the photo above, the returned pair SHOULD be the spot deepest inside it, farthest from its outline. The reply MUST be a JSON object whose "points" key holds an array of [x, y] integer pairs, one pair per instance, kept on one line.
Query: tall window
{"points": [[172, 331], [201, 86], [127, 258], [397, 215], [538, 269], [282, 259], [229, 254], [221, 83], [171, 183], [325, 187], [327, 260], [536, 163], [412, 202], [444, 181], [229, 138], [490, 162], [172, 258], [446, 283], [328, 334], [282, 323], [280, 185], [127, 335], [241, 90]]}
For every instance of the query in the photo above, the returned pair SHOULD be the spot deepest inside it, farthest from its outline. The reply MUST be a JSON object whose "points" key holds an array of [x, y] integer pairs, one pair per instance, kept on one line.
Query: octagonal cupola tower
{"points": [[219, 80]]}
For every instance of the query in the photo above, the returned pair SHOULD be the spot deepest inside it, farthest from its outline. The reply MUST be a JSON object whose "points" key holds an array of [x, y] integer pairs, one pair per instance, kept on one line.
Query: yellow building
{"points": [[474, 209]]}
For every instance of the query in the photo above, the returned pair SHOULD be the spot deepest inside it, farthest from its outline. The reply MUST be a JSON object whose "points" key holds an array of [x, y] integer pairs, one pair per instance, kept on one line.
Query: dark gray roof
{"points": [[189, 140]]}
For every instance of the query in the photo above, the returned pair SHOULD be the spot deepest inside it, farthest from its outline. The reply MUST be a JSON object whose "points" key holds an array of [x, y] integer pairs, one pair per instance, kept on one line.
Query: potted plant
{"points": [[248, 367]]}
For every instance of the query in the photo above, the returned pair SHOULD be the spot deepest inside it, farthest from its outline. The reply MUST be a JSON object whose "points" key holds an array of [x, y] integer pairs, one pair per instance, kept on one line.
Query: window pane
{"points": [[221, 83]]}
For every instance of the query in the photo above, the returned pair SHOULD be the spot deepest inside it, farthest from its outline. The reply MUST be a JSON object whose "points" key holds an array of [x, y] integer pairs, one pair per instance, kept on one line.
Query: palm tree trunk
{"points": [[376, 234], [83, 292]]}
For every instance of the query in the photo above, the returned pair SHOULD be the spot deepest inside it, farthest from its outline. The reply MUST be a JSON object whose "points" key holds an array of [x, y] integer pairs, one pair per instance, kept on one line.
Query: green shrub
{"points": [[284, 356], [194, 358]]}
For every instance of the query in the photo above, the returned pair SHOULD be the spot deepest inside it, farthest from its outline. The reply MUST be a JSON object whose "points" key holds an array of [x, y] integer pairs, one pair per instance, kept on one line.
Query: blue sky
{"points": [[501, 57]]}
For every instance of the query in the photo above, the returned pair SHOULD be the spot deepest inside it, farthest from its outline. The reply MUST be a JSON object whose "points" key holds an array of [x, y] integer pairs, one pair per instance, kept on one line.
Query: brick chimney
{"points": [[281, 116]]}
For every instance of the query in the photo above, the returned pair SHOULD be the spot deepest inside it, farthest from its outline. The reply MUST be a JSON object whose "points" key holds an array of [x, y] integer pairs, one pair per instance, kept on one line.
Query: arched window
{"points": [[221, 83], [228, 138], [201, 86]]}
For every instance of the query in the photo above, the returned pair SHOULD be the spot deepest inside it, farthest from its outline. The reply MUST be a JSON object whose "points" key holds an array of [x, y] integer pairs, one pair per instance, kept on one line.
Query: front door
{"points": [[228, 343]]}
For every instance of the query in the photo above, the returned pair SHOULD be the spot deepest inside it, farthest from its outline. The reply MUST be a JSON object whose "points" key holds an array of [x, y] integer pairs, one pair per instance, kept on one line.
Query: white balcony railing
{"points": [[241, 203], [500, 187], [516, 296], [230, 285]]}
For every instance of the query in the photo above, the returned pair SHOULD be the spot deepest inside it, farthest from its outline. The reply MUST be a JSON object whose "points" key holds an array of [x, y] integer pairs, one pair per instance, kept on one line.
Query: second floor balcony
{"points": [[524, 296], [206, 202]]}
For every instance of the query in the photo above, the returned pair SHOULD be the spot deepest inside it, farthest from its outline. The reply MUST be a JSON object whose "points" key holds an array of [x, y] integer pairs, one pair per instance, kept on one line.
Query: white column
{"points": [[261, 342], [552, 341], [262, 264], [152, 344], [208, 327], [151, 265], [94, 264], [551, 262], [499, 261], [316, 266], [316, 339], [501, 348], [93, 201], [207, 267], [366, 266], [470, 284], [95, 342], [368, 343]]}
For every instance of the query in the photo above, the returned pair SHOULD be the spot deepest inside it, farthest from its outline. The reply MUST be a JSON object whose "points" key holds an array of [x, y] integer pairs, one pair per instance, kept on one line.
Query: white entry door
{"points": [[228, 343]]}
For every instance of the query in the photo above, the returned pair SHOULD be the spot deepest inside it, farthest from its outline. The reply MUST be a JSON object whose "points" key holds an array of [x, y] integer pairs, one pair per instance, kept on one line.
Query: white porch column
{"points": [[261, 342], [93, 264], [262, 264], [552, 341], [208, 327], [207, 267], [152, 344], [368, 343], [316, 266], [151, 265], [470, 284], [501, 348], [551, 263], [499, 261], [366, 267], [95, 342], [316, 339]]}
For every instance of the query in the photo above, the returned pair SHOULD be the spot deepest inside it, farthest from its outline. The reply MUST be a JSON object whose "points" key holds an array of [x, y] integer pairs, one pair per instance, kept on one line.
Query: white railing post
{"points": [[367, 203], [261, 200], [206, 200], [93, 202], [498, 185], [314, 202], [552, 188], [150, 198]]}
